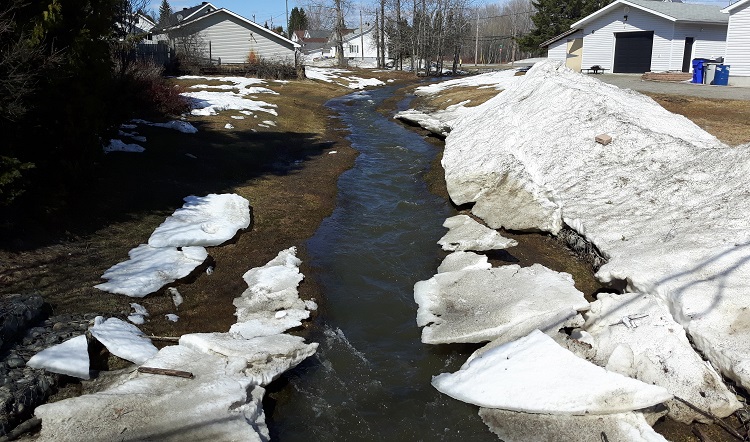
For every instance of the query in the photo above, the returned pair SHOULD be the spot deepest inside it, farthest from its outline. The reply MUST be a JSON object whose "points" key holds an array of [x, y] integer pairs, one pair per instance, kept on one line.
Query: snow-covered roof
{"points": [[672, 11], [734, 6]]}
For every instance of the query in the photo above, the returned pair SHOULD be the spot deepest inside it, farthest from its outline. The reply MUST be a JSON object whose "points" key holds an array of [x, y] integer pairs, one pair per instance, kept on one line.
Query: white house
{"points": [[228, 36], [359, 44], [738, 43], [636, 36]]}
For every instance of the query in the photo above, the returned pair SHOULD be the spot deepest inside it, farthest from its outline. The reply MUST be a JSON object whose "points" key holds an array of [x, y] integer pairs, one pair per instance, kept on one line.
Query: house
{"points": [[312, 41], [221, 34], [737, 54], [358, 44], [636, 36]]}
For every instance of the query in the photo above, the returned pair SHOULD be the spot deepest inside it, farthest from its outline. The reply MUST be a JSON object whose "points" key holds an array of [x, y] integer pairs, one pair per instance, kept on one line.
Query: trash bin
{"points": [[721, 77], [698, 70], [709, 72]]}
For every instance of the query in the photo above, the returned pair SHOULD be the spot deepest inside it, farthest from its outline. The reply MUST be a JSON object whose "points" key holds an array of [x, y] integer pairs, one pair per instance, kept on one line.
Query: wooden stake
{"points": [[166, 372], [162, 338]]}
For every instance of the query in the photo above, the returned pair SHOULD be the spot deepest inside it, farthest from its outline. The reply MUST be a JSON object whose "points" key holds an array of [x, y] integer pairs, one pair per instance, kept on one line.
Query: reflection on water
{"points": [[370, 380]]}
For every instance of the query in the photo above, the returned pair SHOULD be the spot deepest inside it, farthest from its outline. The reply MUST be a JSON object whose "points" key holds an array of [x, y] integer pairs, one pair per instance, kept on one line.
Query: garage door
{"points": [[633, 52]]}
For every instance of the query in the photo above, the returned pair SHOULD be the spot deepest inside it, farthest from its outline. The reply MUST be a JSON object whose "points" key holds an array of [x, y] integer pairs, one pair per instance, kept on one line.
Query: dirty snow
{"points": [[502, 303], [203, 221], [121, 146], [497, 80], [438, 122], [181, 126], [464, 261], [665, 202], [465, 233], [139, 314], [151, 268], [535, 375], [339, 76]]}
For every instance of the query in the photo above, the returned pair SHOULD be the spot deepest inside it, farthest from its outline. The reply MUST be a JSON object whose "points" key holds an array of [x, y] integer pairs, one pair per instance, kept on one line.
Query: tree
{"points": [[165, 14], [553, 17], [297, 20]]}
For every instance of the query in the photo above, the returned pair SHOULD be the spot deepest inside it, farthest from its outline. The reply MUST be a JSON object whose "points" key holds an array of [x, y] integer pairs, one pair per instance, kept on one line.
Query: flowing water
{"points": [[370, 379]]}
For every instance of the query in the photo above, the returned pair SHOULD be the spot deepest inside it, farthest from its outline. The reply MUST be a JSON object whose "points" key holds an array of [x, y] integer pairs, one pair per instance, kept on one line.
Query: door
{"points": [[633, 52], [574, 54], [688, 54]]}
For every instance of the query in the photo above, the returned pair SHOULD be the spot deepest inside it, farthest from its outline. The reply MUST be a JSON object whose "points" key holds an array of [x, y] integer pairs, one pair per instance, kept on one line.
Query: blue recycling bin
{"points": [[722, 75], [698, 70]]}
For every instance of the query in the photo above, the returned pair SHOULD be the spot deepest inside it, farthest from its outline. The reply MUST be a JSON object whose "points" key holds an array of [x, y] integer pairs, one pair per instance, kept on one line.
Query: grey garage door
{"points": [[633, 52]]}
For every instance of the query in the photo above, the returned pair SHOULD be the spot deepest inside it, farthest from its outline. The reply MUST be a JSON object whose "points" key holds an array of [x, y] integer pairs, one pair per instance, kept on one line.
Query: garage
{"points": [[633, 52]]}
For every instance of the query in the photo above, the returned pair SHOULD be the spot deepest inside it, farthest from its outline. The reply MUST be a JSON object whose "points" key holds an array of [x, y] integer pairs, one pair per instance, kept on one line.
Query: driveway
{"points": [[633, 81]]}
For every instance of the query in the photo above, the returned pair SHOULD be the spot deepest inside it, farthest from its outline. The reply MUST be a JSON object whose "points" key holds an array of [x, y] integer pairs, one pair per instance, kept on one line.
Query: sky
{"points": [[274, 11]]}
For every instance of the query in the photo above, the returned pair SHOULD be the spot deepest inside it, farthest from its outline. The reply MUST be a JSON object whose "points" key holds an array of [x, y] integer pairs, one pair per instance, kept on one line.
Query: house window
{"points": [[354, 48]]}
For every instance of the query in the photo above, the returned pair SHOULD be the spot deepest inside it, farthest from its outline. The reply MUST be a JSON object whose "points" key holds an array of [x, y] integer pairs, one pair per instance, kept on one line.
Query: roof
{"points": [[734, 6], [319, 33], [356, 33], [559, 37], [672, 11], [198, 17]]}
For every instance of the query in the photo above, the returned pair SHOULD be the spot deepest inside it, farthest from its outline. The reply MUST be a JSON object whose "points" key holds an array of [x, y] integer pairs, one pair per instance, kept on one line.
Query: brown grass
{"points": [[727, 120]]}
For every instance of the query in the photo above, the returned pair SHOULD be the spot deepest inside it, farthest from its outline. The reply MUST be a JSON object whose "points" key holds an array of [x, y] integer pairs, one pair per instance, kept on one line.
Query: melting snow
{"points": [[465, 233]]}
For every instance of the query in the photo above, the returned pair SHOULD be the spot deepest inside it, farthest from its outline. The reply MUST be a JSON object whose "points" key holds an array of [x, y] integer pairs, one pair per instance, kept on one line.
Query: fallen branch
{"points": [[166, 372], [162, 338], [24, 427], [699, 434], [713, 417]]}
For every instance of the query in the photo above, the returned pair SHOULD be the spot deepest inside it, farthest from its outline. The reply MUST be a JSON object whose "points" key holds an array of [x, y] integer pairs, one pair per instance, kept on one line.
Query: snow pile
{"points": [[120, 146], [223, 399], [331, 75], [69, 358], [665, 202], [203, 221], [501, 303], [245, 86], [123, 340], [181, 126], [526, 427], [535, 375], [498, 80], [211, 103], [465, 233], [151, 268], [139, 314], [635, 336], [175, 249]]}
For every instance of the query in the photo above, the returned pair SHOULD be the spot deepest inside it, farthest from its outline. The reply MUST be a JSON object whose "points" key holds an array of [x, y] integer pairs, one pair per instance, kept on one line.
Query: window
{"points": [[354, 48]]}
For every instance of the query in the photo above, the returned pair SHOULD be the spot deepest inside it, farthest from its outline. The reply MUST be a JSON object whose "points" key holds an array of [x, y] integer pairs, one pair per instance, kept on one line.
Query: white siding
{"points": [[232, 40], [557, 50], [599, 37], [738, 42], [710, 42]]}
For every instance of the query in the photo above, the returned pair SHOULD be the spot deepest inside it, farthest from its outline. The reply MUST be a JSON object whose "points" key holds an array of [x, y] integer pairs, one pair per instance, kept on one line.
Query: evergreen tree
{"points": [[297, 20], [553, 17], [165, 13]]}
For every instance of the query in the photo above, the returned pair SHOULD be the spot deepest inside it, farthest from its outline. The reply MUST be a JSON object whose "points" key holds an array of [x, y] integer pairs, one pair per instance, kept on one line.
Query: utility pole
{"points": [[288, 32], [476, 41]]}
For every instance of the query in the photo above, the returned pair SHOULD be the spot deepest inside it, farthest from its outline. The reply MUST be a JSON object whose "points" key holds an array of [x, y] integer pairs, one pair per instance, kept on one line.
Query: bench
{"points": [[595, 69]]}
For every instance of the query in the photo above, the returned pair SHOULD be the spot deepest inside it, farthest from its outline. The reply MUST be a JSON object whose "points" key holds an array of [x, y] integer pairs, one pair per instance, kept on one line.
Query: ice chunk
{"points": [[220, 404], [526, 427], [203, 221], [280, 273], [505, 302], [266, 357], [535, 375], [172, 317], [464, 261], [123, 340], [465, 233], [176, 296], [251, 325], [70, 358], [151, 268], [636, 336]]}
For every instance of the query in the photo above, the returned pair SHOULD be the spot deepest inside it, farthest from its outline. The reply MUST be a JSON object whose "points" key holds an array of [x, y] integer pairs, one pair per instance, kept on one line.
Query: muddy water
{"points": [[370, 379]]}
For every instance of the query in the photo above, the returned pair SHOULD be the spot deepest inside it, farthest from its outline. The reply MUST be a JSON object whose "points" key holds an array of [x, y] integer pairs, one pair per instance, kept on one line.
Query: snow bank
{"points": [[525, 427], [502, 303], [70, 358], [211, 103], [498, 80], [465, 233], [151, 268], [635, 336], [203, 221], [665, 202], [535, 375]]}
